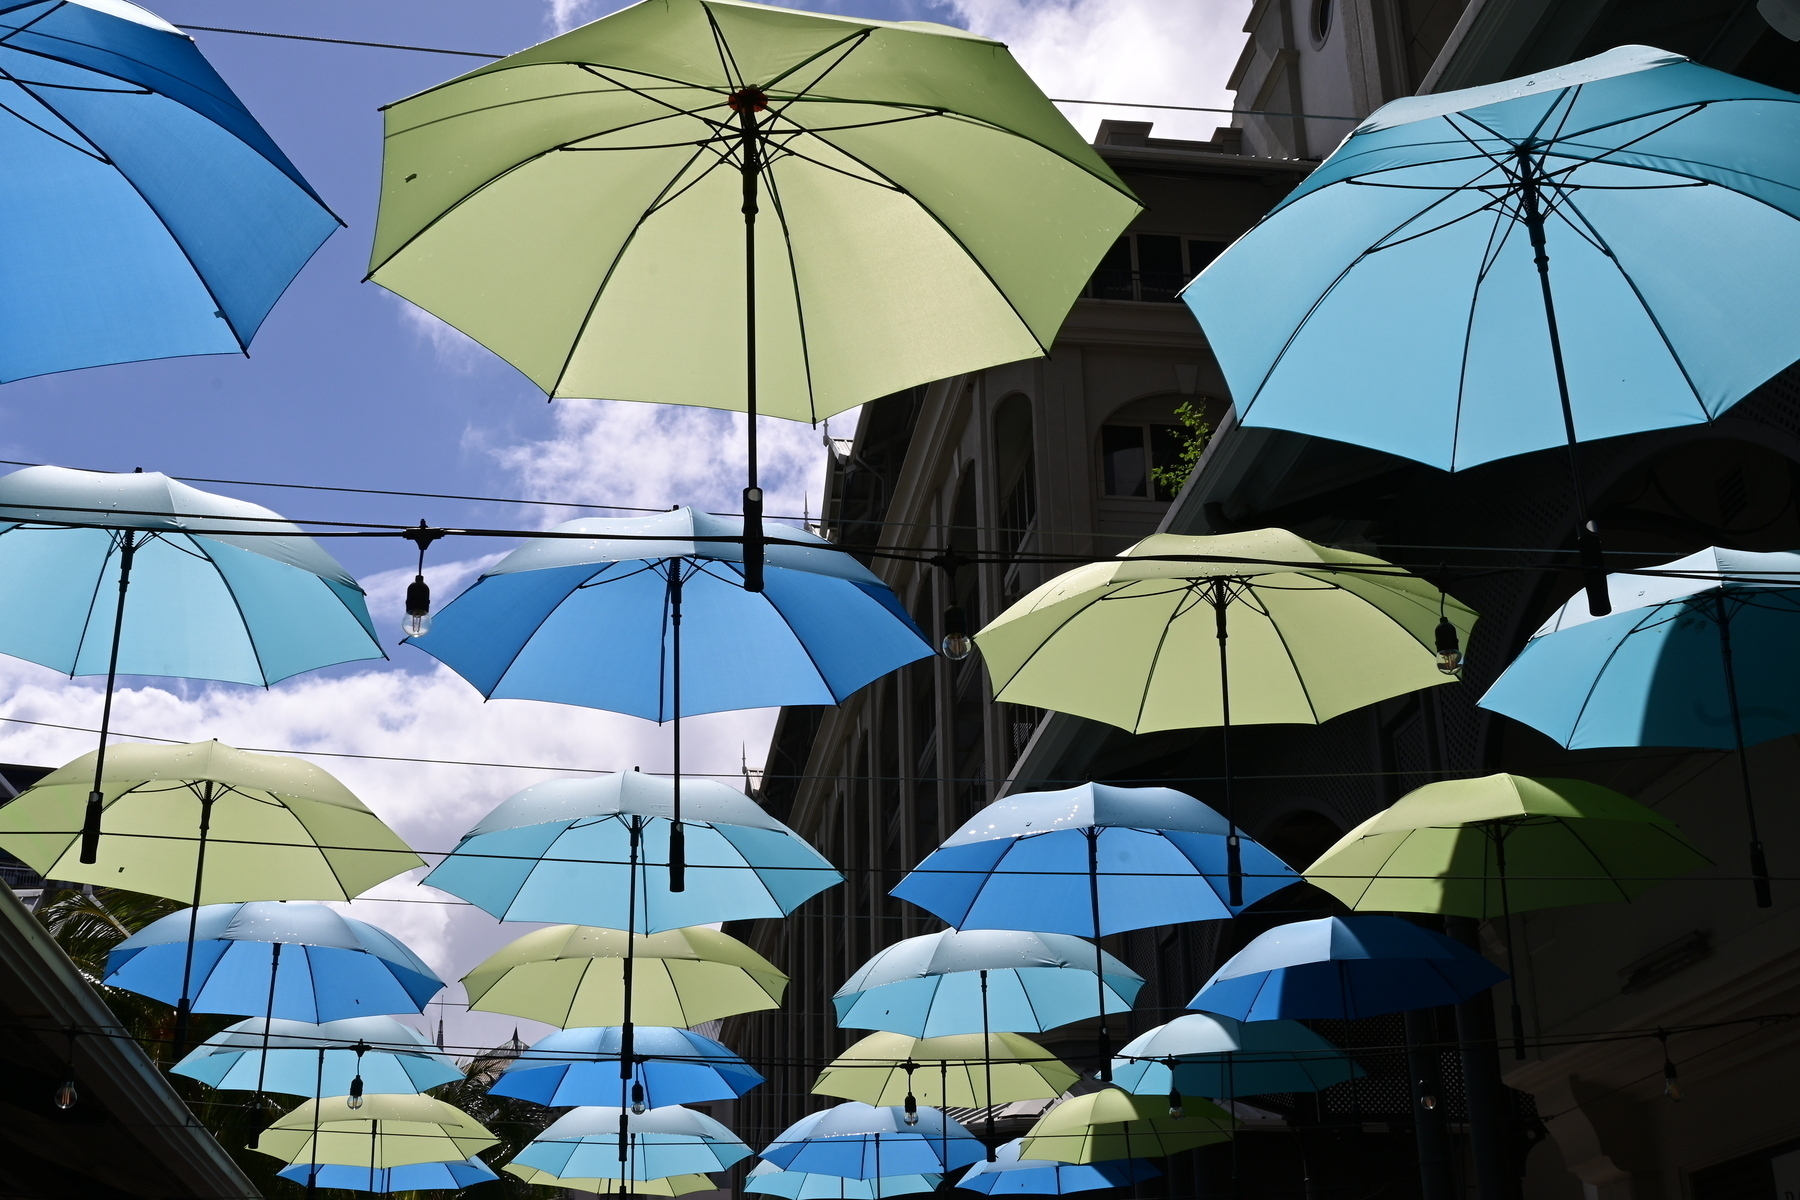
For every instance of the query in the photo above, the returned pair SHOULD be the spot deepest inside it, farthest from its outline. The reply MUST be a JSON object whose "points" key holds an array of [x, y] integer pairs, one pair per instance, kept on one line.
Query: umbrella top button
{"points": [[748, 100]]}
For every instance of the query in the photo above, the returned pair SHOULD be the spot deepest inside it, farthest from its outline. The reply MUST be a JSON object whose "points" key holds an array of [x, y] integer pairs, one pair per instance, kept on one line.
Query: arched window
{"points": [[1140, 438]]}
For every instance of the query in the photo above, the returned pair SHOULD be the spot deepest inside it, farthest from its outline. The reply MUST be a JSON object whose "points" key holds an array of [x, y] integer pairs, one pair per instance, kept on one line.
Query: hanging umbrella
{"points": [[570, 975], [305, 962], [148, 215], [605, 1185], [225, 590], [284, 1056], [957, 1071], [1148, 856], [857, 1141], [413, 1178], [1204, 1054], [1110, 1124], [767, 1179], [964, 981], [574, 849], [1345, 967], [605, 1141], [1662, 671], [930, 213], [384, 1131], [1244, 628], [581, 1066], [1508, 255], [1009, 1175]]}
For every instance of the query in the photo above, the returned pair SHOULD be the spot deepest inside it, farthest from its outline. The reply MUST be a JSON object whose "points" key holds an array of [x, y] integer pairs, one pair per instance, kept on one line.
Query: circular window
{"points": [[1321, 20]]}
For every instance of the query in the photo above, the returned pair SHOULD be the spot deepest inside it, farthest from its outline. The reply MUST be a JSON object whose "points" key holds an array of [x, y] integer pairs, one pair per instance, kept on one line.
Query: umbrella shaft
{"points": [[1234, 863], [1759, 865], [751, 153], [677, 835], [90, 825], [183, 1009]]}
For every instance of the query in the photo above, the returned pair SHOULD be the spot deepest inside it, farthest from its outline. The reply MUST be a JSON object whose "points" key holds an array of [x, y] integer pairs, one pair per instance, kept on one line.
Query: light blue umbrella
{"points": [[1598, 249], [859, 1141], [302, 1058], [1009, 1175], [1204, 1054], [581, 1067], [569, 851], [305, 962], [609, 1142], [1345, 967], [976, 980], [1662, 671], [413, 1178], [602, 616], [146, 213], [767, 1179]]}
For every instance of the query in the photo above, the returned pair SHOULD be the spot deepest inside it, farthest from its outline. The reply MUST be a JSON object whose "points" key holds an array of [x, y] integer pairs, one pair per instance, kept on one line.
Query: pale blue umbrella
{"points": [[1010, 1175], [303, 1058], [1205, 1054], [600, 1141], [669, 1066], [412, 1178], [860, 1141], [767, 1179]]}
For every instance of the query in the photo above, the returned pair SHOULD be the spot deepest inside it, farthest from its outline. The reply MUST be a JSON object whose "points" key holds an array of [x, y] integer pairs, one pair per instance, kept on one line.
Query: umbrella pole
{"points": [[1512, 962], [312, 1176], [96, 801], [627, 1048], [374, 1150], [987, 1070], [1587, 537], [1093, 839], [262, 1065], [184, 1010], [1759, 865], [1234, 862], [747, 102], [677, 835]]}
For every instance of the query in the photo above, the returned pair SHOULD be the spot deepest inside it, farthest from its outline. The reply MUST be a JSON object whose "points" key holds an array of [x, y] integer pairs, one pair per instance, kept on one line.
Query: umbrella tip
{"points": [[137, 470]]}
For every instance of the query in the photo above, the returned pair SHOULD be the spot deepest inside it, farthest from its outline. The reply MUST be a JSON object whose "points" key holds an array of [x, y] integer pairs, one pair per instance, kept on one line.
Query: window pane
{"points": [[1112, 278], [1159, 266], [1122, 456], [1200, 254], [1165, 452]]}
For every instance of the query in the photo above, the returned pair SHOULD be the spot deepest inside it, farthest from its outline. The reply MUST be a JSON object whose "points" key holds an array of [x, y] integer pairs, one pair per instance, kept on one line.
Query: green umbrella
{"points": [[958, 1070], [588, 209], [1249, 628], [374, 1131], [1112, 1124]]}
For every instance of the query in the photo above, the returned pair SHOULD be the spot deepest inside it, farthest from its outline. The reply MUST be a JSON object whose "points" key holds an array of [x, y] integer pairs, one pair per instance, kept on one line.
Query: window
{"points": [[1151, 266], [1125, 465]]}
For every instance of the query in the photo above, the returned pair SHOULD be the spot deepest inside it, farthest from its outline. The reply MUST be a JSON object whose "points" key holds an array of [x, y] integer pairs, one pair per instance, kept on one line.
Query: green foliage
{"points": [[1196, 432]]}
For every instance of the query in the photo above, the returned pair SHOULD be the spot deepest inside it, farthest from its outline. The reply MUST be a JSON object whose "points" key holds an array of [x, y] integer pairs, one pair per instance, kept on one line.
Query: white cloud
{"points": [[454, 348]]}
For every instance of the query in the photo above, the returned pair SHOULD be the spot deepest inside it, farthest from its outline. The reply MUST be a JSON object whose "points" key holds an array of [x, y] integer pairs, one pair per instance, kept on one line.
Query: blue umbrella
{"points": [[607, 1142], [1147, 856], [147, 214], [305, 962], [1345, 967], [602, 619], [581, 1067], [1203, 1054], [859, 1141], [1009, 1175], [1661, 671], [570, 851], [767, 1179], [302, 1058], [416, 1177], [976, 980], [1512, 267]]}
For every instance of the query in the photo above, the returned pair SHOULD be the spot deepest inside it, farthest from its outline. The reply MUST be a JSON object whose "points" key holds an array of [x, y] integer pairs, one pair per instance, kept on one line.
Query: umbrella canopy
{"points": [[1345, 967], [204, 602], [1204, 1054], [569, 975], [284, 1057], [856, 1141], [1412, 247], [1111, 1124], [148, 215], [387, 1131], [590, 620], [767, 1179], [1009, 1175], [1312, 632], [929, 211], [964, 981], [276, 828], [1154, 856], [416, 1177], [562, 851], [584, 1142], [1500, 844], [329, 966], [581, 1067], [957, 1071], [606, 1185]]}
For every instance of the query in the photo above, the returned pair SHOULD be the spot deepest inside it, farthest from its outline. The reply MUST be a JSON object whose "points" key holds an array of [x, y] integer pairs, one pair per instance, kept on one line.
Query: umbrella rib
{"points": [[93, 599], [1187, 593], [734, 77], [1289, 652], [236, 604], [1462, 378], [787, 241], [25, 120]]}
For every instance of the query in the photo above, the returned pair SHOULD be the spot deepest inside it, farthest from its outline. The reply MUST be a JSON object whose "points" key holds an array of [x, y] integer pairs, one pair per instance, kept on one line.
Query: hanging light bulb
{"points": [[1671, 1081], [911, 1114], [1176, 1109], [956, 644], [418, 592], [1429, 1101], [354, 1100], [1449, 648], [638, 1107], [66, 1095]]}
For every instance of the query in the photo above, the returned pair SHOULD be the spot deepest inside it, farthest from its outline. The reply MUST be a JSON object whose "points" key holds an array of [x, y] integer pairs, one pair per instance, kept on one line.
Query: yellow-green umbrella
{"points": [[209, 824], [965, 1070], [570, 975], [1502, 844], [668, 1185], [386, 1131], [1112, 1124]]}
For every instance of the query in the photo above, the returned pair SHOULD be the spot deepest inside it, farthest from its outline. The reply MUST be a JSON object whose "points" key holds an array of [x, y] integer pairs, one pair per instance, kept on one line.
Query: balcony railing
{"points": [[1156, 286]]}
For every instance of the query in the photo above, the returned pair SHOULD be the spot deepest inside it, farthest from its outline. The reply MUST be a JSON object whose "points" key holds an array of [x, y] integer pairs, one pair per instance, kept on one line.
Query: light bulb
{"points": [[66, 1095], [1429, 1101], [911, 1112], [1671, 1084], [638, 1107], [1449, 647], [1176, 1109], [418, 608], [956, 643], [354, 1100]]}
